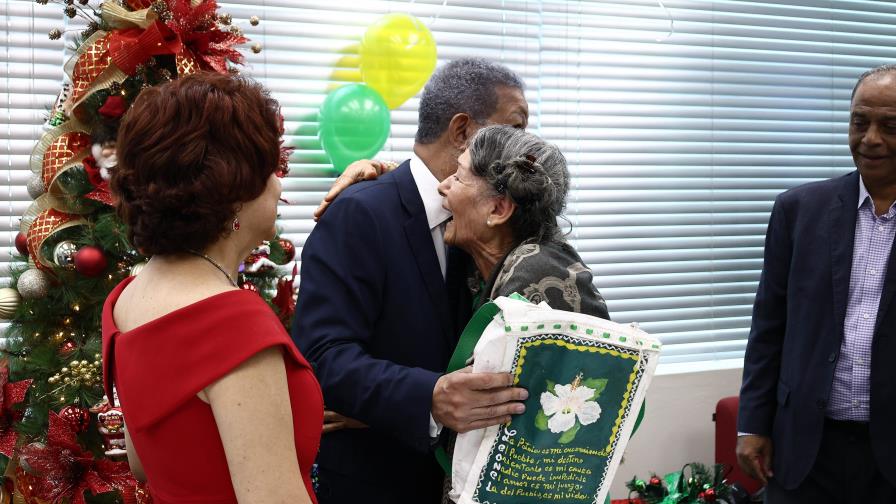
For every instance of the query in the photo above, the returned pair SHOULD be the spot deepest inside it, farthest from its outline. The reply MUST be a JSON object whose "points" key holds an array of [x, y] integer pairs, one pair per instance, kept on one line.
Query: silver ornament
{"points": [[64, 254], [135, 269], [33, 284], [9, 301], [36, 187]]}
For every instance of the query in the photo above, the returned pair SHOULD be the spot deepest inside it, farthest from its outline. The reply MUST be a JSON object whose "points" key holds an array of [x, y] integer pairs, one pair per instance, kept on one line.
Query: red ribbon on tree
{"points": [[62, 469], [134, 46], [13, 393]]}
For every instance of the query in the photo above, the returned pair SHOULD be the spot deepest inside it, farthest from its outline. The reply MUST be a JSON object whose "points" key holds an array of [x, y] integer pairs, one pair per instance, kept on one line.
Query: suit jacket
{"points": [[378, 323], [797, 330]]}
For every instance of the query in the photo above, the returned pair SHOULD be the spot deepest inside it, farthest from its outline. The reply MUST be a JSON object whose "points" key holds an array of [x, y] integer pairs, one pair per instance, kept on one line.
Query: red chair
{"points": [[725, 418]]}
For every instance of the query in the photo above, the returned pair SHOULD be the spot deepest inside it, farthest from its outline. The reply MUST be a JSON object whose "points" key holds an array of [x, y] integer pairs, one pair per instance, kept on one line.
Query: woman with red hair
{"points": [[219, 404]]}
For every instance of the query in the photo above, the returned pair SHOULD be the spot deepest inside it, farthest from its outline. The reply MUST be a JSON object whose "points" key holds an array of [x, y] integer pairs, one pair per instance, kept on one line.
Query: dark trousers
{"points": [[336, 488], [844, 472]]}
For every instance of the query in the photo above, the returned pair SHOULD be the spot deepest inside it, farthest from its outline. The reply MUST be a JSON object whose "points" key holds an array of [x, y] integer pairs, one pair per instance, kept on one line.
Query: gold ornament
{"points": [[256, 48], [236, 30], [9, 301], [225, 19], [254, 20], [76, 308], [55, 34]]}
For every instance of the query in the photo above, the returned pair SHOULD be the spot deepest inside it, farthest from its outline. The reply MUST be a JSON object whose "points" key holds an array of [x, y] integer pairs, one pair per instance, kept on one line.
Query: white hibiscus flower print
{"points": [[569, 403]]}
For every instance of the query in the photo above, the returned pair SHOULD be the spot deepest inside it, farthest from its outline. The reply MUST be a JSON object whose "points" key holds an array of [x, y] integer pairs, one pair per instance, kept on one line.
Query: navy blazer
{"points": [[797, 330], [378, 323]]}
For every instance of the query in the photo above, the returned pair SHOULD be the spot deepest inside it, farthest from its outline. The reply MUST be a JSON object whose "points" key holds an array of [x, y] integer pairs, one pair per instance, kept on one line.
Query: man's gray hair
{"points": [[528, 170], [876, 71], [466, 85]]}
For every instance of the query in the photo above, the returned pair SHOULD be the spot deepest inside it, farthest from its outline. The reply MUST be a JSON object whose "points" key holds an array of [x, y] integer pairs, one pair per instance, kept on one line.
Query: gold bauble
{"points": [[9, 301]]}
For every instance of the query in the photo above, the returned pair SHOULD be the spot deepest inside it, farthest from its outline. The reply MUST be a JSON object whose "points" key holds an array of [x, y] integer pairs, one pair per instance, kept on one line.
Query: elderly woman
{"points": [[509, 190], [220, 406]]}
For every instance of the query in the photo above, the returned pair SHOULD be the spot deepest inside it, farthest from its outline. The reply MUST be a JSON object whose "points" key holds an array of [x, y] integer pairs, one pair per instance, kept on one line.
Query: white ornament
{"points": [[33, 284], [9, 301]]}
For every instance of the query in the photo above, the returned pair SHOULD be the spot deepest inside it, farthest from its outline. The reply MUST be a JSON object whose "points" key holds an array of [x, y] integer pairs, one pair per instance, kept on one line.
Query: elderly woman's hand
{"points": [[364, 169]]}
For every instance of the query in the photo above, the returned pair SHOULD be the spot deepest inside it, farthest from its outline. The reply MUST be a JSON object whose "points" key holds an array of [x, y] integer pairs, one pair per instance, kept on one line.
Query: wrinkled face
{"points": [[872, 131], [468, 198], [260, 215]]}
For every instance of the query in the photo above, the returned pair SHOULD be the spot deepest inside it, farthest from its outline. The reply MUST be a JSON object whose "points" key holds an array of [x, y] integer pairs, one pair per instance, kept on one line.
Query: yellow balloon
{"points": [[398, 54]]}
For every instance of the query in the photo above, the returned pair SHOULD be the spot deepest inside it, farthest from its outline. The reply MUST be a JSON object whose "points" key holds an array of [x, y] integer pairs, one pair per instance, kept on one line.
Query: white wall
{"points": [[678, 426]]}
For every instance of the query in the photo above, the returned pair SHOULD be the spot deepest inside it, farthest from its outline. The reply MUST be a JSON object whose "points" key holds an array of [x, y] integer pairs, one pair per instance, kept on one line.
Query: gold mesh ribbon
{"points": [[87, 65], [91, 68], [43, 227], [36, 161], [120, 18], [186, 63], [66, 151]]}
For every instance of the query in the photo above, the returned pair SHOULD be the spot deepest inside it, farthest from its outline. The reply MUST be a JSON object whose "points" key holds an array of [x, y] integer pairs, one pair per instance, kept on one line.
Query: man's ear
{"points": [[502, 209], [457, 130]]}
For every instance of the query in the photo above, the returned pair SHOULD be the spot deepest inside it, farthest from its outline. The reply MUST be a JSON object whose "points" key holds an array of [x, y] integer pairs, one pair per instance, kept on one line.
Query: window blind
{"points": [[681, 121]]}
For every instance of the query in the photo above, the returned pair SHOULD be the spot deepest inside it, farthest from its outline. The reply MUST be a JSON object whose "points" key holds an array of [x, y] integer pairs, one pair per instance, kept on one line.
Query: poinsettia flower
{"points": [[568, 403], [10, 395], [62, 470]]}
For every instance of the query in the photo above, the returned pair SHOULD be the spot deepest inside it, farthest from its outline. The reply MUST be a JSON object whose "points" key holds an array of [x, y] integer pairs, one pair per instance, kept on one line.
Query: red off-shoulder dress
{"points": [[159, 367]]}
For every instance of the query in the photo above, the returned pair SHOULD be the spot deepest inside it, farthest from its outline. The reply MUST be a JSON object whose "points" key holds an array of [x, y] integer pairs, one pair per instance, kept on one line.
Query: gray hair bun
{"points": [[528, 170]]}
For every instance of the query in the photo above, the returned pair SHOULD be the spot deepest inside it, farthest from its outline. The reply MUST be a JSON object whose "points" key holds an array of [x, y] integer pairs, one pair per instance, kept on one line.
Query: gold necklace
{"points": [[216, 265]]}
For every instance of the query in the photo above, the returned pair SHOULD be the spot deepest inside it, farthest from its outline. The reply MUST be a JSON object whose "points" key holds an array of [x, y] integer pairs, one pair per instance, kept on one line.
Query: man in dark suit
{"points": [[382, 303], [817, 415]]}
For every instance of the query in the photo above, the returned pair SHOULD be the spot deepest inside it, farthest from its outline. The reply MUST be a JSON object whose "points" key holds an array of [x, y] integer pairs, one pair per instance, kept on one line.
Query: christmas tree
{"points": [[60, 439]]}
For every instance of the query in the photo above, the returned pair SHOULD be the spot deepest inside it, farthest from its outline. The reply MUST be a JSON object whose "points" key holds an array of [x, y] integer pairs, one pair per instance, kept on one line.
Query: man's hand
{"points": [[334, 421], [754, 454], [364, 169], [465, 401]]}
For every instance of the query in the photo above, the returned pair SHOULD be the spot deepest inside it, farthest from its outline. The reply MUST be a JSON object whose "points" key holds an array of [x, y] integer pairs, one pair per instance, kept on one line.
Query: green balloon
{"points": [[354, 124]]}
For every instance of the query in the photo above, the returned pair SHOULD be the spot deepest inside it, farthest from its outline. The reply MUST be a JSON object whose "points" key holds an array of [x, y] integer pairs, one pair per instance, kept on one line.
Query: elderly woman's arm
{"points": [[252, 409]]}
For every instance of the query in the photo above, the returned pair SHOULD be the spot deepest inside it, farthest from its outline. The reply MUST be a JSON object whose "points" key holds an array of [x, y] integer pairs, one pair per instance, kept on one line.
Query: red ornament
{"points": [[90, 261], [22, 243], [68, 346], [655, 481], [78, 418], [114, 107], [709, 495], [249, 286], [289, 249]]}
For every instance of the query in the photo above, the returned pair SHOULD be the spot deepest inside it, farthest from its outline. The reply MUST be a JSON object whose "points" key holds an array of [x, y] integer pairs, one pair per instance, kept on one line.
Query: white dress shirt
{"points": [[436, 215]]}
